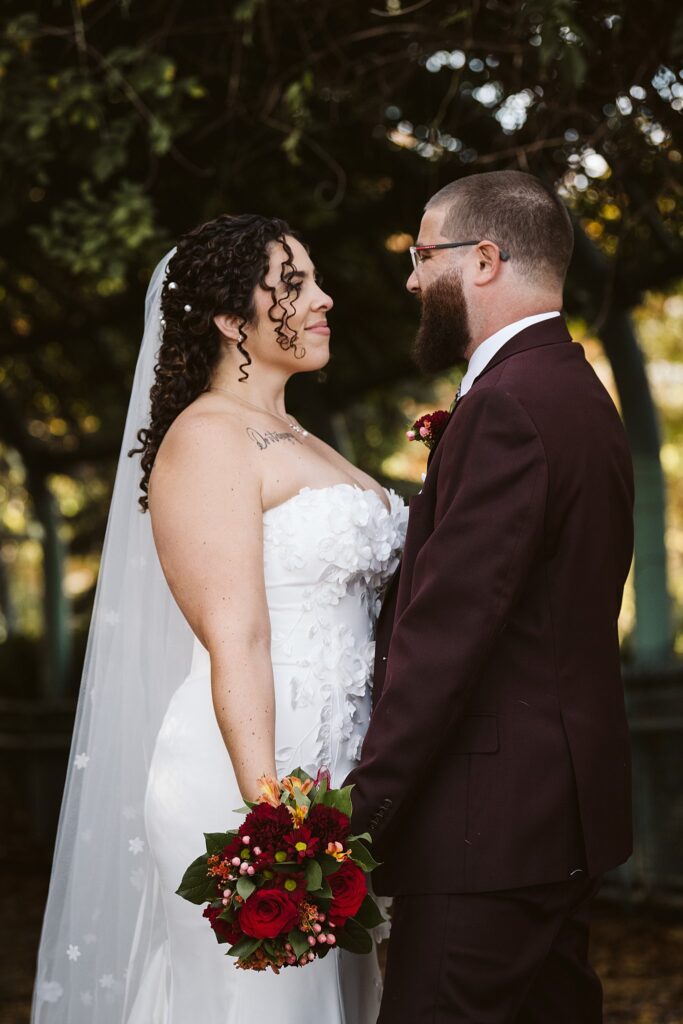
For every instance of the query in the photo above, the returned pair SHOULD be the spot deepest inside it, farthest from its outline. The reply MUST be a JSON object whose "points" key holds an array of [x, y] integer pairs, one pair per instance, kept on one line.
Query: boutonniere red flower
{"points": [[429, 428]]}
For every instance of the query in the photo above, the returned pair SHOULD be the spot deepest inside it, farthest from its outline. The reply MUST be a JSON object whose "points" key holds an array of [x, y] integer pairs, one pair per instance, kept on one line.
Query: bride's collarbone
{"points": [[286, 461], [281, 483]]}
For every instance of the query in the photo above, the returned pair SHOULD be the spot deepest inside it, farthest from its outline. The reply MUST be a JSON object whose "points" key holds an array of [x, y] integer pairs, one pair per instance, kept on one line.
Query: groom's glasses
{"points": [[418, 252]]}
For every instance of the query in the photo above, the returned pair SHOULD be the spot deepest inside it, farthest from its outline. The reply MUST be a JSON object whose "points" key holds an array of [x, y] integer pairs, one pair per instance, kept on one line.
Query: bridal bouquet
{"points": [[290, 883]]}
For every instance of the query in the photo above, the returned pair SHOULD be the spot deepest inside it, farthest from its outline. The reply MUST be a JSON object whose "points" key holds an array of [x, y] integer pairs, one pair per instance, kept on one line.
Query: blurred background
{"points": [[124, 123]]}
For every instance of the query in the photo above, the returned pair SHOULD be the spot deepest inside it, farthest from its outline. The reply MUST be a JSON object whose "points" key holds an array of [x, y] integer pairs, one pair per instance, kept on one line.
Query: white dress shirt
{"points": [[485, 352]]}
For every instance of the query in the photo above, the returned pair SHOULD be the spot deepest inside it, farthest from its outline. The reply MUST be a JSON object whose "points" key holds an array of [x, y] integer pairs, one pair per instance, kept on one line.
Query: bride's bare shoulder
{"points": [[204, 446]]}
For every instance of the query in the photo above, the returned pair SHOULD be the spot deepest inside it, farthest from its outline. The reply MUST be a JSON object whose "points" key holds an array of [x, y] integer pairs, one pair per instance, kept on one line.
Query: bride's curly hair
{"points": [[215, 270]]}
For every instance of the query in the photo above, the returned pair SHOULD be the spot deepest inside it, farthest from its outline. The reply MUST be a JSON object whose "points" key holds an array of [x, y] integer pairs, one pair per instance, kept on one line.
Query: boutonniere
{"points": [[429, 428]]}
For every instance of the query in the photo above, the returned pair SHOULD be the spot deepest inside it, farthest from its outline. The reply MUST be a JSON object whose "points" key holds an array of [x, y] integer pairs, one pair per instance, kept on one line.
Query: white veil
{"points": [[103, 904]]}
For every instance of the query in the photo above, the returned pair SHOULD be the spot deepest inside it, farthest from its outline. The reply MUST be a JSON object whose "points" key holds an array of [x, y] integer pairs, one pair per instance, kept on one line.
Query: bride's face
{"points": [[302, 307]]}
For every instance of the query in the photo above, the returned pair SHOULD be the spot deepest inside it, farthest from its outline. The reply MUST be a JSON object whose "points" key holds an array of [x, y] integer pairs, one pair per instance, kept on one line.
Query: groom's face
{"points": [[444, 334]]}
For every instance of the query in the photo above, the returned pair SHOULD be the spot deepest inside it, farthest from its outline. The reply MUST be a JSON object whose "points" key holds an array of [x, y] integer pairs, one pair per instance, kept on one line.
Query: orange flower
{"points": [[298, 815], [337, 851], [270, 791], [291, 783]]}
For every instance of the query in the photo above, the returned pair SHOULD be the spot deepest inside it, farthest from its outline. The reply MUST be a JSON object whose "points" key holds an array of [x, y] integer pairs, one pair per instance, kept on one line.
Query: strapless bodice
{"points": [[328, 553]]}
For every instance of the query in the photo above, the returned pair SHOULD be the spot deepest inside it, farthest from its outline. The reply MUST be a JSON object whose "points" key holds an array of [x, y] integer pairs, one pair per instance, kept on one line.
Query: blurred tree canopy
{"points": [[124, 123]]}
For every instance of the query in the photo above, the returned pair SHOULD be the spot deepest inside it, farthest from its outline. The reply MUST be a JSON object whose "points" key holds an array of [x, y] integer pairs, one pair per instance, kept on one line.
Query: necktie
{"points": [[456, 399]]}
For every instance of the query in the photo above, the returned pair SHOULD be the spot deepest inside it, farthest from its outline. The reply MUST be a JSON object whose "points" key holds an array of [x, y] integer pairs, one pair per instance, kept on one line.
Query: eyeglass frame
{"points": [[414, 249]]}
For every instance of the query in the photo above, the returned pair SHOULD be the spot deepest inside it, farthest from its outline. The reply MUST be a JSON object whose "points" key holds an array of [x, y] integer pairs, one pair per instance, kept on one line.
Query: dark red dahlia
{"points": [[328, 824], [267, 827]]}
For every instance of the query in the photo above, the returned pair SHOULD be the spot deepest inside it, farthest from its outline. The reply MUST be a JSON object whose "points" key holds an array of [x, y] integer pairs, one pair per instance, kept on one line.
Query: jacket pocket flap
{"points": [[475, 734]]}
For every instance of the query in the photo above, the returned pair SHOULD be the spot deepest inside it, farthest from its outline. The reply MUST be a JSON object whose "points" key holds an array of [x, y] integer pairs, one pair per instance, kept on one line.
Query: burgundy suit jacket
{"points": [[498, 755]]}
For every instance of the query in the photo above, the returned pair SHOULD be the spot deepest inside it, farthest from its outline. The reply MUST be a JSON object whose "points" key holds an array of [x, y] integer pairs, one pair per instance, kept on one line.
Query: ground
{"points": [[637, 952]]}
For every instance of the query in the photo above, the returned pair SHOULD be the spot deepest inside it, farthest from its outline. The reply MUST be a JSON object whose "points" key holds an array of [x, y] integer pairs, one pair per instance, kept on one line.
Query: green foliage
{"points": [[314, 875], [245, 887], [329, 864], [299, 942], [94, 236], [196, 886], [369, 915], [354, 937], [340, 799], [244, 948], [216, 841], [362, 855]]}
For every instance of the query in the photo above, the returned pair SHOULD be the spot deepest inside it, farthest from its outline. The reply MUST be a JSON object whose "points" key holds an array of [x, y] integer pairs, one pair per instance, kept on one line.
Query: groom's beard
{"points": [[444, 335]]}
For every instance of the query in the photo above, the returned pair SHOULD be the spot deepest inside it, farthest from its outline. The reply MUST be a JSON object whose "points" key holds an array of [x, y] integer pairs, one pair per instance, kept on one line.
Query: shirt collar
{"points": [[485, 352]]}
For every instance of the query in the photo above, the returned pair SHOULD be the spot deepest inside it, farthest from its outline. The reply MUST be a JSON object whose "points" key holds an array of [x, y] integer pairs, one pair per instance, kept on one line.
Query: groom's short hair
{"points": [[517, 212]]}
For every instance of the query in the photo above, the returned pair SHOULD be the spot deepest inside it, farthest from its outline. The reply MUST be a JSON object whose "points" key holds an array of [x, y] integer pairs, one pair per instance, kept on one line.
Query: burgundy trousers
{"points": [[513, 957]]}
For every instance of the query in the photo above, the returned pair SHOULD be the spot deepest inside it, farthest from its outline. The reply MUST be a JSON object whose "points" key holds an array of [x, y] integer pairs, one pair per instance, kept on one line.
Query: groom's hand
{"points": [[488, 528]]}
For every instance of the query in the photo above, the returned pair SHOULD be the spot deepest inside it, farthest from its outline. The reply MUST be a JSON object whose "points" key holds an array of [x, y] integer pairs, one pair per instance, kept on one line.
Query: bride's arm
{"points": [[205, 504]]}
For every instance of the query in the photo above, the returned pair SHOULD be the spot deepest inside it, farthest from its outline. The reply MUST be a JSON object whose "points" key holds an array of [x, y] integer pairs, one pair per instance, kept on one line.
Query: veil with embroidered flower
{"points": [[139, 650], [149, 772]]}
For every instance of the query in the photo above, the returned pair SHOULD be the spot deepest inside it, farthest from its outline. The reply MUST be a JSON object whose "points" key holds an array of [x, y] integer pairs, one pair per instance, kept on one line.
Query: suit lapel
{"points": [[547, 332]]}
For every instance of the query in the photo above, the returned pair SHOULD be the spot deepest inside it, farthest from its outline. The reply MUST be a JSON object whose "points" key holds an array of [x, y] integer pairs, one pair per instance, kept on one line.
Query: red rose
{"points": [[349, 889], [226, 929], [269, 913]]}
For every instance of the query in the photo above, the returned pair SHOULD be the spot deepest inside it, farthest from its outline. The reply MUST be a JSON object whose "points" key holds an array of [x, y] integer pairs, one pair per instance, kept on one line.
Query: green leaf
{"points": [[244, 809], [365, 836], [369, 914], [299, 942], [300, 799], [321, 791], [245, 887], [328, 864], [362, 856], [340, 799], [196, 886], [354, 937], [216, 841], [324, 892], [314, 875], [245, 947]]}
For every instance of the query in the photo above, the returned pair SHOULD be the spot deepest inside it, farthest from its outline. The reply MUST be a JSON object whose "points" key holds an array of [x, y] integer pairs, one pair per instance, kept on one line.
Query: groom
{"points": [[495, 773]]}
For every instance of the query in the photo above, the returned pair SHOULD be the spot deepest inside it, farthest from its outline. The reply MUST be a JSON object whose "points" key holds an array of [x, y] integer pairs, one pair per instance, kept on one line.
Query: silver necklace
{"points": [[285, 419]]}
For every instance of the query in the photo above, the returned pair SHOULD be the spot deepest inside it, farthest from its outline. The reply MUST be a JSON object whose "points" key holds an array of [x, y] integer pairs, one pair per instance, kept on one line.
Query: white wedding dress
{"points": [[328, 553]]}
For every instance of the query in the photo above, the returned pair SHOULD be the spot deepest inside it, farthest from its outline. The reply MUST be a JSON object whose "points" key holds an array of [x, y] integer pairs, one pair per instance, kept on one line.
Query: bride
{"points": [[231, 638]]}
